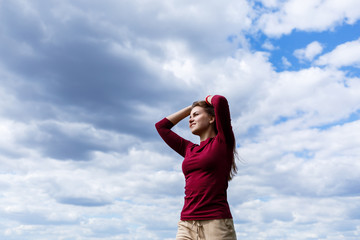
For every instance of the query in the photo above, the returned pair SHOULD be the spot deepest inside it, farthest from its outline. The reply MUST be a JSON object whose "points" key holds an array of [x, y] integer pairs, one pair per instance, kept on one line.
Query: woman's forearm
{"points": [[179, 115]]}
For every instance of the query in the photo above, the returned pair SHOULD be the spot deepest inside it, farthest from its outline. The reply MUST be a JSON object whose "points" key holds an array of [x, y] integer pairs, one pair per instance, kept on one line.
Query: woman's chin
{"points": [[193, 131]]}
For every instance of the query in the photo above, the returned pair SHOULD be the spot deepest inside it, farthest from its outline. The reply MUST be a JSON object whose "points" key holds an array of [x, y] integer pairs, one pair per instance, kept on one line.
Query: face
{"points": [[199, 120]]}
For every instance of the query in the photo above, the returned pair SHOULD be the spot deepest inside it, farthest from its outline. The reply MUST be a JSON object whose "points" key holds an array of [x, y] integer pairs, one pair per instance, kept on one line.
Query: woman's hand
{"points": [[180, 115], [208, 99]]}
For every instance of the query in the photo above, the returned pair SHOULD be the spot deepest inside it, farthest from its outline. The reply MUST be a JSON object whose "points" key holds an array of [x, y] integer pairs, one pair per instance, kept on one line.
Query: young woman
{"points": [[207, 168]]}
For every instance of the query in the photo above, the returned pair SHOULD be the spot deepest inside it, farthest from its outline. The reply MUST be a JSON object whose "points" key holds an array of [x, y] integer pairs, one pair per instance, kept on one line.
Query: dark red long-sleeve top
{"points": [[206, 166]]}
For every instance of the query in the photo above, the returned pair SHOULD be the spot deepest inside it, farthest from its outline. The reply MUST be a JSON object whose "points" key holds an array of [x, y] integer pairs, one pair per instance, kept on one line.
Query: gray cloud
{"points": [[76, 71], [85, 202]]}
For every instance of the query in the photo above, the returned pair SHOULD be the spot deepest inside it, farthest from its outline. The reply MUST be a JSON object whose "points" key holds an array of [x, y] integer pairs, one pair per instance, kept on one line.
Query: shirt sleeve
{"points": [[174, 141], [222, 118]]}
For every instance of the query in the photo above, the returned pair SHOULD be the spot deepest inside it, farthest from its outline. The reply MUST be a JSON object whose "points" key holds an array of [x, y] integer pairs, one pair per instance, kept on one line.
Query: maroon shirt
{"points": [[206, 166]]}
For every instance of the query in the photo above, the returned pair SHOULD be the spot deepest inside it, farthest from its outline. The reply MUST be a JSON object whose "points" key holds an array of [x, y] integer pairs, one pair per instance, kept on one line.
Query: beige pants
{"points": [[217, 229]]}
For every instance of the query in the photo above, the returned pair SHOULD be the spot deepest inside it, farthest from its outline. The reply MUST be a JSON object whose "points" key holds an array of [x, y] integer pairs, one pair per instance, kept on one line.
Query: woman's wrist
{"points": [[208, 99]]}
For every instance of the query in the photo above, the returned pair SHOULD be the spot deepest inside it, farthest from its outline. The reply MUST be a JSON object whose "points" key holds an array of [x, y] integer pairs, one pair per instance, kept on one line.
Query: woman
{"points": [[207, 168]]}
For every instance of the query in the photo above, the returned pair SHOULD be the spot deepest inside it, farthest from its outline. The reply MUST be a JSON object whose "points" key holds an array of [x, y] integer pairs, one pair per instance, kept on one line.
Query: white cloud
{"points": [[305, 183], [346, 54], [309, 52], [308, 15], [311, 215], [285, 62], [269, 46], [241, 72], [306, 97], [62, 193]]}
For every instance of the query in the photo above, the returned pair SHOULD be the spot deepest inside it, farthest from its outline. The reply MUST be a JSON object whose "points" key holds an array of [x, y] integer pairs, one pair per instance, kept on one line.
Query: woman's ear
{"points": [[212, 119]]}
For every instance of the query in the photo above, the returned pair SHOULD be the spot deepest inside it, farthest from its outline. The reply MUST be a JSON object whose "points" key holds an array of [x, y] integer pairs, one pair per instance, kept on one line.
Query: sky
{"points": [[84, 82]]}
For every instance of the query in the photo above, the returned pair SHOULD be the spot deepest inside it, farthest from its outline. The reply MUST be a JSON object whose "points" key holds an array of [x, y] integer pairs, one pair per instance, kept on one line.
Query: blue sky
{"points": [[84, 82]]}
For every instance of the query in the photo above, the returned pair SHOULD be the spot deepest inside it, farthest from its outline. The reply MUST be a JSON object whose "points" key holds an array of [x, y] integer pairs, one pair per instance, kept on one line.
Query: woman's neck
{"points": [[208, 134]]}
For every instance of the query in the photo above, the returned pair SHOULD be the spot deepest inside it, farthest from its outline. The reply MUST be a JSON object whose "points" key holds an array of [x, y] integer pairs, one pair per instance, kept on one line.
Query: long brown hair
{"points": [[210, 110]]}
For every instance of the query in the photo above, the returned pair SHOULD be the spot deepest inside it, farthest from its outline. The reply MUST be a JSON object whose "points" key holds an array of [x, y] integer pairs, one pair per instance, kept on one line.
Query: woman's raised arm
{"points": [[179, 115], [164, 126], [222, 116]]}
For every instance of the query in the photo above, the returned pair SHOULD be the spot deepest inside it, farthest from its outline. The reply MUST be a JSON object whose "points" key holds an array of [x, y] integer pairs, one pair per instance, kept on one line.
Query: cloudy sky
{"points": [[83, 82]]}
